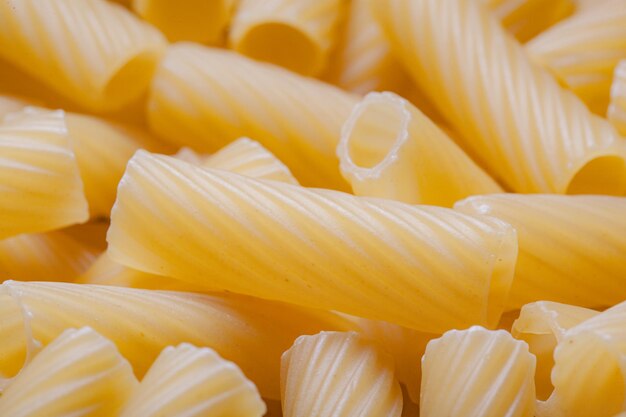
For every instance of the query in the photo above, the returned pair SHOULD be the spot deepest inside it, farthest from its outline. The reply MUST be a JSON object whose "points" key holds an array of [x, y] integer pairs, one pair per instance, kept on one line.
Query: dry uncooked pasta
{"points": [[617, 108]]}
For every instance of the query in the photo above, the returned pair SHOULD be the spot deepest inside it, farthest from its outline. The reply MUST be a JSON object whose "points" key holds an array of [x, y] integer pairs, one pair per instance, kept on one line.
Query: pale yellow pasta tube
{"points": [[586, 5], [589, 374], [572, 249], [52, 256], [206, 98], [617, 108], [583, 50], [9, 104], [40, 184], [337, 251], [252, 333], [79, 374], [390, 149], [542, 325], [297, 35], [190, 381], [477, 373], [527, 18], [93, 52], [338, 374], [192, 20], [531, 134]]}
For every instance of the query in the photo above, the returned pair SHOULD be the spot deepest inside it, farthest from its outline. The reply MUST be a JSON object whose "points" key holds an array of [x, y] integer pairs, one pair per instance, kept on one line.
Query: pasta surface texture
{"points": [[617, 108]]}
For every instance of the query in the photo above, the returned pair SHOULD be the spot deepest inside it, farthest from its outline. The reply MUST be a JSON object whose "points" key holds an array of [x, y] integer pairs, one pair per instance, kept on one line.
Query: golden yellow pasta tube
{"points": [[206, 98], [542, 325], [91, 51], [572, 249], [477, 373], [589, 374], [527, 18], [297, 35], [390, 149], [617, 108], [52, 256], [40, 184], [193, 20], [250, 332], [79, 374], [531, 134], [186, 380], [338, 374], [583, 50], [366, 257], [92, 234]]}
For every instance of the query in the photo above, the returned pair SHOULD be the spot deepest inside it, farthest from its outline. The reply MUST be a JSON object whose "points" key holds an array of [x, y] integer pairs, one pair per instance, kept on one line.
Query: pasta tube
{"points": [[617, 108], [196, 20], [338, 374], [531, 134], [79, 374], [40, 184], [563, 242], [384, 255], [91, 51], [477, 373], [390, 149], [252, 333], [92, 234], [206, 98], [9, 104], [582, 51], [186, 380], [297, 35]]}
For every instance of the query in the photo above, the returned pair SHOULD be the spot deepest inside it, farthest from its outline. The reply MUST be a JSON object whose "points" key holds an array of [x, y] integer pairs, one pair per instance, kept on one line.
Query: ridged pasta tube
{"points": [[9, 104], [297, 35], [190, 381], [40, 184], [252, 333], [477, 373], [390, 149], [617, 108], [531, 134], [91, 51], [191, 20], [79, 374], [367, 257], [542, 325], [338, 374], [206, 98], [572, 249], [583, 50]]}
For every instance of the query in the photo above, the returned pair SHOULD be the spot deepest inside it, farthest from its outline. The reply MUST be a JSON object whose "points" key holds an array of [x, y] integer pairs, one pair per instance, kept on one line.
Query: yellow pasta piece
{"points": [[390, 149], [367, 257], [92, 234], [585, 5], [617, 108], [9, 104], [477, 373], [190, 381], [582, 51], [531, 134], [91, 51], [542, 325], [297, 35], [40, 185], [196, 20], [525, 19], [252, 333], [338, 374], [572, 249], [52, 256], [79, 374], [589, 375], [206, 98]]}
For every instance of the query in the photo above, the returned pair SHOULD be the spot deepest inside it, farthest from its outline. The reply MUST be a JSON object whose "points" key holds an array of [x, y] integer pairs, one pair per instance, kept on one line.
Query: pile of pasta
{"points": [[342, 208]]}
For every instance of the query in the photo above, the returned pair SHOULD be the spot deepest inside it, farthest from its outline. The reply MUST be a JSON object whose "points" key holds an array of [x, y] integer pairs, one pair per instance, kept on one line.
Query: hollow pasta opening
{"points": [[601, 175], [130, 80], [281, 44]]}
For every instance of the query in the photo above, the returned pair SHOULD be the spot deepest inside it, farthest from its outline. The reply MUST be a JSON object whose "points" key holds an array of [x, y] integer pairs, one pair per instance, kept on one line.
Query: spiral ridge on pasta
{"points": [[190, 381], [617, 108], [79, 374], [334, 373], [477, 373], [205, 98], [40, 184], [531, 134], [91, 51]]}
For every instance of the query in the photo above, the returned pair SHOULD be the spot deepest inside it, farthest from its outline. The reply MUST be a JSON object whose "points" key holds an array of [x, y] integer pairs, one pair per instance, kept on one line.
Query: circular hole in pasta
{"points": [[131, 79], [281, 44], [601, 175]]}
